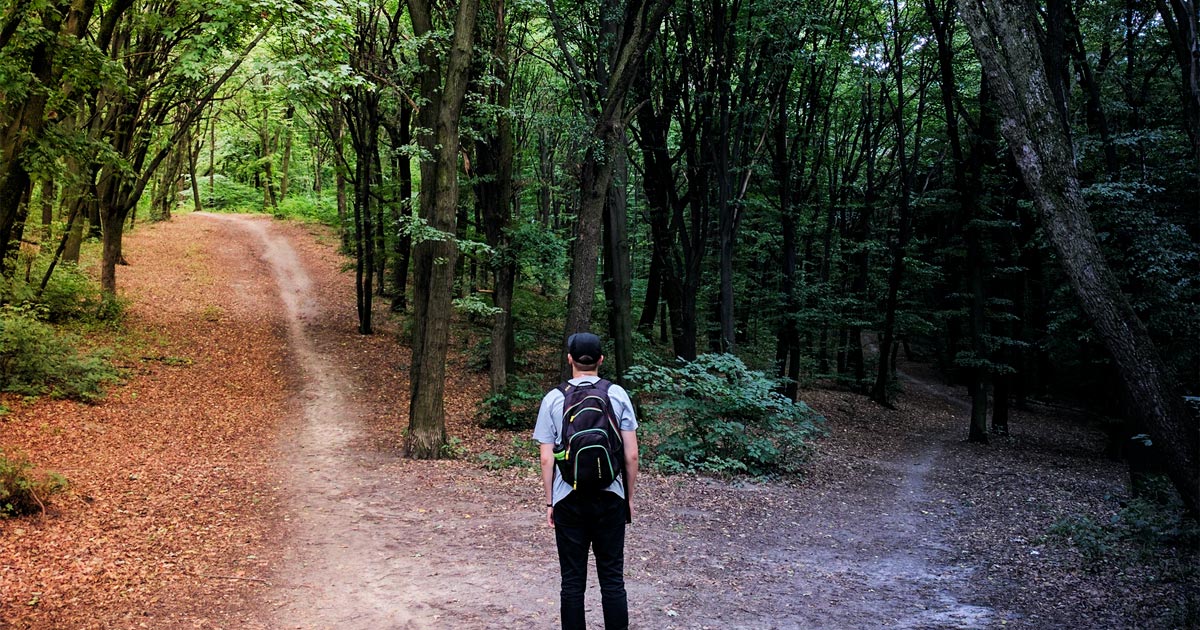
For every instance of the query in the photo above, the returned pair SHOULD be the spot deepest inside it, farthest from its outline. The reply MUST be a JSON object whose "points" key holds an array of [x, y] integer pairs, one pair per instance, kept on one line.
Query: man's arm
{"points": [[546, 452], [631, 466]]}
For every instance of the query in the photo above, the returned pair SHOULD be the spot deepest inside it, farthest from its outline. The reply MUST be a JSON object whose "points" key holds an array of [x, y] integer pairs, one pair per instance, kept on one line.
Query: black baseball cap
{"points": [[584, 347]]}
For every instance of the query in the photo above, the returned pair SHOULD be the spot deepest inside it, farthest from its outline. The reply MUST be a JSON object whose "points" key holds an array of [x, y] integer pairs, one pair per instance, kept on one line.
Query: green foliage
{"points": [[36, 360], [21, 491], [514, 409], [541, 255], [522, 453], [1092, 541], [714, 415], [453, 448], [309, 208], [475, 306], [230, 195], [69, 296], [1141, 528]]}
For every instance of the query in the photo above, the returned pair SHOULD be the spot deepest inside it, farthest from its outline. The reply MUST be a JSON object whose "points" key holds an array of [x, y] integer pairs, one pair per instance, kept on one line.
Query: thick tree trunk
{"points": [[111, 234], [1001, 397], [597, 173], [978, 325], [443, 84], [24, 119], [1032, 124], [494, 202], [649, 313], [75, 235]]}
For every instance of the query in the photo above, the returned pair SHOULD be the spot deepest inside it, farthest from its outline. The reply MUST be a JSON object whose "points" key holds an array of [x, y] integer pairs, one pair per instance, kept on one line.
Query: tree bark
{"points": [[47, 208], [1179, 17], [443, 85], [285, 165], [618, 276], [639, 26], [401, 135], [494, 157], [1033, 126]]}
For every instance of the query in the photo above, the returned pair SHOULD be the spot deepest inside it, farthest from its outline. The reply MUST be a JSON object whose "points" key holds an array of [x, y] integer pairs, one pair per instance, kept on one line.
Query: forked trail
{"points": [[375, 541]]}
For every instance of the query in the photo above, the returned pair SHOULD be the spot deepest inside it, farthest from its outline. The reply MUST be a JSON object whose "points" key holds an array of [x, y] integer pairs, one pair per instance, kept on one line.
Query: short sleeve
{"points": [[545, 430], [623, 407]]}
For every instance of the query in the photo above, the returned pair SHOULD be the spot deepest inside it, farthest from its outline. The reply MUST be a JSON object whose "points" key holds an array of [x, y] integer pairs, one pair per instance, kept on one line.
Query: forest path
{"points": [[377, 541]]}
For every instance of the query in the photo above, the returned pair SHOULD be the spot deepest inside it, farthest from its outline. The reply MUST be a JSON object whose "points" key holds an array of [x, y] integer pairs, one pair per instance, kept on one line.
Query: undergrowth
{"points": [[22, 491], [521, 453], [715, 415], [514, 409], [38, 354], [1141, 530]]}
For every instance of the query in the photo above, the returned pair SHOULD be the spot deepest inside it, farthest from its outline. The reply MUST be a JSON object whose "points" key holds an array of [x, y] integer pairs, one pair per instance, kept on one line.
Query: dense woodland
{"points": [[1007, 189]]}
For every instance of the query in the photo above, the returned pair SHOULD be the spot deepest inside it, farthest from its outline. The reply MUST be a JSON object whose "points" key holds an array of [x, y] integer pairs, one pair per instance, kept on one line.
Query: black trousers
{"points": [[595, 520]]}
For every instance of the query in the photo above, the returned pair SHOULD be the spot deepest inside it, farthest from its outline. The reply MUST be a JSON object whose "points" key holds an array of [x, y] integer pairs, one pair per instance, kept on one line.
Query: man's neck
{"points": [[578, 374]]}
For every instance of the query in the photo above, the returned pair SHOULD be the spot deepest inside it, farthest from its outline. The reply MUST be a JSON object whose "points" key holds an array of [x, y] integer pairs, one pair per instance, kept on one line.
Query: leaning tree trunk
{"points": [[1036, 133]]}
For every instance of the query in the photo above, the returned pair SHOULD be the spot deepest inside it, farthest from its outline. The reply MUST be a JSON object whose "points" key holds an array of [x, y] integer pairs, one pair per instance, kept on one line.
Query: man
{"points": [[583, 518]]}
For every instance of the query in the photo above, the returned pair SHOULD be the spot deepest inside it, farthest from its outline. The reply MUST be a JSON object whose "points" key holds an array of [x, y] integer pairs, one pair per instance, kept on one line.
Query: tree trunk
{"points": [[339, 148], [978, 325], [400, 134], [193, 157], [494, 203], [47, 209], [443, 85], [270, 201], [113, 224], [645, 325], [618, 281], [288, 116], [1001, 396], [1032, 124], [1179, 17], [640, 24]]}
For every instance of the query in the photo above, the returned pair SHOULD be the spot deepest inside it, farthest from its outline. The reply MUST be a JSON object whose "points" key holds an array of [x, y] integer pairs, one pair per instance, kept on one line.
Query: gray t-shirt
{"points": [[549, 427]]}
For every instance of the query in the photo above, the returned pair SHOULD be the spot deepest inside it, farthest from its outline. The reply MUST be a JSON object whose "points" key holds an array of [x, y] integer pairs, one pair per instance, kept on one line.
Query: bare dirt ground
{"points": [[310, 518]]}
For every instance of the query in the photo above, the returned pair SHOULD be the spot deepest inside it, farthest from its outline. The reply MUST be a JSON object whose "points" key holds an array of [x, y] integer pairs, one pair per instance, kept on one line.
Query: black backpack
{"points": [[591, 453]]}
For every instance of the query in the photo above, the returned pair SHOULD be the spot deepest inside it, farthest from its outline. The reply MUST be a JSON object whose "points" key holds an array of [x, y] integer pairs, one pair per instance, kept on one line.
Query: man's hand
{"points": [[550, 517]]}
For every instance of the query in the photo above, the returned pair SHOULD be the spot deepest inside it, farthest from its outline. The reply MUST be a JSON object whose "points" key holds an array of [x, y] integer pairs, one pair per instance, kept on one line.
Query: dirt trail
{"points": [[376, 541]]}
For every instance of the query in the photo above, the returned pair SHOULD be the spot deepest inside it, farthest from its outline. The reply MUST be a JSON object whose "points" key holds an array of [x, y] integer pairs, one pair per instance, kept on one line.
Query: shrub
{"points": [[21, 492], [35, 360], [309, 208], [69, 296], [1086, 535], [514, 409], [1140, 527], [230, 195], [715, 415]]}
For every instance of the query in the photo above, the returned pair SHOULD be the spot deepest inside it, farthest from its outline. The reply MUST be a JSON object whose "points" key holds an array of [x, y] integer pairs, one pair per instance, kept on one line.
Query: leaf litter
{"points": [[199, 500]]}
